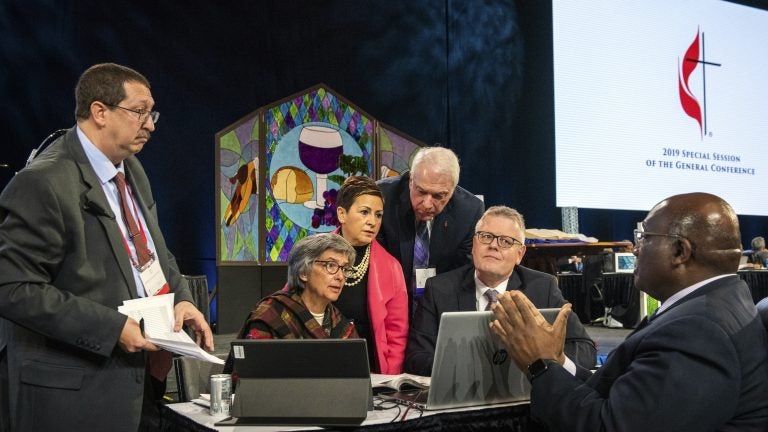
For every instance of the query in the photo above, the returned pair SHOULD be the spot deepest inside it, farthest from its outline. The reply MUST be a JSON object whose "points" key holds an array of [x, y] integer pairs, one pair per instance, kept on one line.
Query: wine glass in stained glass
{"points": [[319, 150]]}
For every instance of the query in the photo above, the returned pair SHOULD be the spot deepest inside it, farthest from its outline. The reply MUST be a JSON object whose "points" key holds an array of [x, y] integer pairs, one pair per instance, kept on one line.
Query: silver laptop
{"points": [[471, 365]]}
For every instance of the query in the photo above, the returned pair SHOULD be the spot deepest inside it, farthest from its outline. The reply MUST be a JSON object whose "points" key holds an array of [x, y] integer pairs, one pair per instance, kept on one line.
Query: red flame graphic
{"points": [[687, 100]]}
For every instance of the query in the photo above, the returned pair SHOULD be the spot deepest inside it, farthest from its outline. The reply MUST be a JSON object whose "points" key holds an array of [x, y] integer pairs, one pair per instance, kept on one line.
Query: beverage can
{"points": [[221, 394]]}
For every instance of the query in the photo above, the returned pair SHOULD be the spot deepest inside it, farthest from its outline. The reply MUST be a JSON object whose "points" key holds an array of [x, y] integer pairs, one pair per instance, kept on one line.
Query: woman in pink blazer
{"points": [[375, 296]]}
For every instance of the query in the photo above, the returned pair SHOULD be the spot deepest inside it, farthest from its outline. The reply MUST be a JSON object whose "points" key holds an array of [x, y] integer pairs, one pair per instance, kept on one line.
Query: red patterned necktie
{"points": [[160, 362], [134, 233]]}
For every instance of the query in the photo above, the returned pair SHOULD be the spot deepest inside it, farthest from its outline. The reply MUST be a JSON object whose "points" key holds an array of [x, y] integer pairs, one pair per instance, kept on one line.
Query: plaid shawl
{"points": [[283, 315]]}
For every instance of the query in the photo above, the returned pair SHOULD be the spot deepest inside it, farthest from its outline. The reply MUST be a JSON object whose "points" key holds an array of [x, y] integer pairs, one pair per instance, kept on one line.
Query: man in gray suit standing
{"points": [[70, 255], [700, 363]]}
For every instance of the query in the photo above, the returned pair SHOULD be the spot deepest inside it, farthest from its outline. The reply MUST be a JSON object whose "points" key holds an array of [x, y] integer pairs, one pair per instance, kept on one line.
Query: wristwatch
{"points": [[538, 367]]}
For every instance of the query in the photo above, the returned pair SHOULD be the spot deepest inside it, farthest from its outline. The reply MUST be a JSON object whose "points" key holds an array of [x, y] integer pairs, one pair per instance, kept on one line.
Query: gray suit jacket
{"points": [[64, 270], [455, 291], [450, 243], [701, 365]]}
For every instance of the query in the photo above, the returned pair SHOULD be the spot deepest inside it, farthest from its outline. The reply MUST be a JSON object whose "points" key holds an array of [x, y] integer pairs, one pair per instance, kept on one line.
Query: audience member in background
{"points": [[428, 219], [374, 297], [69, 257], [629, 248], [759, 257], [570, 264], [497, 249], [700, 363]]}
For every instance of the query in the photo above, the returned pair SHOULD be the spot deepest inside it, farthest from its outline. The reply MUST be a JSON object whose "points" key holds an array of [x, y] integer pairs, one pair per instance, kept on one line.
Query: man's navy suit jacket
{"points": [[701, 365], [450, 242]]}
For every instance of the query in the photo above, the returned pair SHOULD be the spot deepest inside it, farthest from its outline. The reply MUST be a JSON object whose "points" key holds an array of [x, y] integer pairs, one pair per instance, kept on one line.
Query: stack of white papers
{"points": [[157, 313]]}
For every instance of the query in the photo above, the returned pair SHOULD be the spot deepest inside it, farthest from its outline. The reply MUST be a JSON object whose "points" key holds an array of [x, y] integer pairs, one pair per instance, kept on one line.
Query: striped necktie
{"points": [[135, 235], [421, 246], [491, 295]]}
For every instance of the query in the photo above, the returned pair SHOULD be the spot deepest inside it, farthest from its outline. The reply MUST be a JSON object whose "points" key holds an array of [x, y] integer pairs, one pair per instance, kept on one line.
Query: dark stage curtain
{"points": [[474, 75]]}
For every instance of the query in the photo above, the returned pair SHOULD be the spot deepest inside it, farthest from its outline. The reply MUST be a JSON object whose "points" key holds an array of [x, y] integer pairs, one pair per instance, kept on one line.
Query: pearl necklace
{"points": [[360, 269]]}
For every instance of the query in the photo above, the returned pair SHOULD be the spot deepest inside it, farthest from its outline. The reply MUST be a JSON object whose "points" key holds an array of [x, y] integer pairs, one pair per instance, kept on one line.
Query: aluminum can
{"points": [[221, 394]]}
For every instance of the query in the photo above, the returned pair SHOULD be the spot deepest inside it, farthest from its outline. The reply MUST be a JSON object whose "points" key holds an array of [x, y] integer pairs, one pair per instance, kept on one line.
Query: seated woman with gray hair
{"points": [[318, 266]]}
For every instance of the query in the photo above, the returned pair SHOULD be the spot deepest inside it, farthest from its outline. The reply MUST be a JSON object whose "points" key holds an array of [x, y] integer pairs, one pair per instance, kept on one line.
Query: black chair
{"points": [[198, 285], [193, 377], [762, 310]]}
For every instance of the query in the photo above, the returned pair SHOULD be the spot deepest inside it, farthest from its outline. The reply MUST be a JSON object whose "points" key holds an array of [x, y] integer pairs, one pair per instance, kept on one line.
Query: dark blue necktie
{"points": [[420, 257], [421, 246]]}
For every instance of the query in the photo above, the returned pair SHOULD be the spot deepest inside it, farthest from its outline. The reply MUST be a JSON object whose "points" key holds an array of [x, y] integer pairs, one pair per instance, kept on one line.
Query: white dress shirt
{"points": [[482, 302]]}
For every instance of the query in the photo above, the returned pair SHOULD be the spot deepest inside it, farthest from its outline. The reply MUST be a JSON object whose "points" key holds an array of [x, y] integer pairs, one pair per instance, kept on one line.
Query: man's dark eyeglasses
{"points": [[143, 114], [640, 235], [504, 242]]}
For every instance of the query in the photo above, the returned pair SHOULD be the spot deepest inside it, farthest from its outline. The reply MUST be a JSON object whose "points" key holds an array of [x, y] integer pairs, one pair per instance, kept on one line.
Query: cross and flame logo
{"points": [[693, 58]]}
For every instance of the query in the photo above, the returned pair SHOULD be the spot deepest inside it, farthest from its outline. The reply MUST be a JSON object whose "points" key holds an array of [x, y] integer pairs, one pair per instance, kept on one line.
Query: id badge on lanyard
{"points": [[153, 279], [421, 277], [423, 274], [151, 274]]}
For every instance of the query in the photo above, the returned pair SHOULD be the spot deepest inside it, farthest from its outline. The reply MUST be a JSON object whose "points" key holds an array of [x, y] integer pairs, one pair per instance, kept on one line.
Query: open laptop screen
{"points": [[624, 262], [324, 382], [472, 366], [301, 358]]}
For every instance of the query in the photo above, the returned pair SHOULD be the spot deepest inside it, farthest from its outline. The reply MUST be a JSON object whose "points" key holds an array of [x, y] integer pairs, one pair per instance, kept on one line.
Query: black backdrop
{"points": [[474, 75]]}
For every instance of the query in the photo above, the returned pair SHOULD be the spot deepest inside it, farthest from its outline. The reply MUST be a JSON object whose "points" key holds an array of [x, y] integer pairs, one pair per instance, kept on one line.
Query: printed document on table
{"points": [[157, 313], [400, 382]]}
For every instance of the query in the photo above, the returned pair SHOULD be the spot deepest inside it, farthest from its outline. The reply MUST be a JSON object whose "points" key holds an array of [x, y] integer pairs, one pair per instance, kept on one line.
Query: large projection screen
{"points": [[659, 97]]}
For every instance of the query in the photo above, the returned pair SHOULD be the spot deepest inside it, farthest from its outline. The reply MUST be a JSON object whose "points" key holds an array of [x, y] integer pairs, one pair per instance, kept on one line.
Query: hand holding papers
{"points": [[157, 313]]}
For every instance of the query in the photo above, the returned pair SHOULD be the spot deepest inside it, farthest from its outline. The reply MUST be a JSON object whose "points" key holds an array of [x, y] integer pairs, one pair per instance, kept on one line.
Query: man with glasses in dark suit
{"points": [[700, 363], [497, 249]]}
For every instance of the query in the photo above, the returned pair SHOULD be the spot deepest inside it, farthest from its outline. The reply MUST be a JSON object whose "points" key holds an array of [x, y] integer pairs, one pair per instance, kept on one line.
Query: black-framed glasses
{"points": [[143, 114], [640, 235], [332, 267], [504, 242]]}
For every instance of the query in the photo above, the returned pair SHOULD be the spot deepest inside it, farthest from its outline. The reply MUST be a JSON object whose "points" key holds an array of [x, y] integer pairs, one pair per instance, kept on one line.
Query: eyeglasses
{"points": [[143, 114], [504, 242], [641, 235], [332, 267]]}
